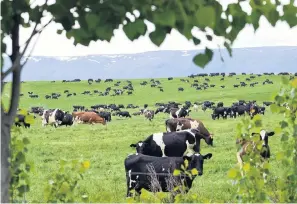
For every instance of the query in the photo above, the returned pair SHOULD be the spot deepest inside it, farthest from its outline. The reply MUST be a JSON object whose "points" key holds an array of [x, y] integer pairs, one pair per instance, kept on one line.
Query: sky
{"points": [[49, 43]]}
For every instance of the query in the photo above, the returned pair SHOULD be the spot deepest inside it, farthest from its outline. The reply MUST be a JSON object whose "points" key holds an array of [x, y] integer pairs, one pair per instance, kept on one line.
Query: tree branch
{"points": [[34, 32]]}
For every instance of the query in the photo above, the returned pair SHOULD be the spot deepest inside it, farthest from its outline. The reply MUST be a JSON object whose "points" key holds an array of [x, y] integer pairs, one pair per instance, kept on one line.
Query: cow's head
{"points": [[138, 146], [264, 136], [198, 135], [196, 161]]}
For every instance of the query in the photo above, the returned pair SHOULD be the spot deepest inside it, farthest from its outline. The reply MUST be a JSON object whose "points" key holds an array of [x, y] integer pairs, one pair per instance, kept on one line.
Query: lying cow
{"points": [[139, 167], [52, 117], [88, 117], [265, 151], [172, 144], [123, 114], [67, 120]]}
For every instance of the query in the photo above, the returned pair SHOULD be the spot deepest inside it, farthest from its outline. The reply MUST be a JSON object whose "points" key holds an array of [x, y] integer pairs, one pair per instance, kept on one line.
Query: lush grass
{"points": [[107, 148]]}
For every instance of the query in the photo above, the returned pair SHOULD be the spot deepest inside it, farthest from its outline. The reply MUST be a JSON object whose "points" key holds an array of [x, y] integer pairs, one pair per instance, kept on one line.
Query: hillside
{"points": [[158, 64]]}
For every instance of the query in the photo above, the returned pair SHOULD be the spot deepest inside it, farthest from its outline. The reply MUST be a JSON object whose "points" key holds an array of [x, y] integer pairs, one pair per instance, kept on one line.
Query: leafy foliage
{"points": [[258, 184], [61, 187], [20, 167]]}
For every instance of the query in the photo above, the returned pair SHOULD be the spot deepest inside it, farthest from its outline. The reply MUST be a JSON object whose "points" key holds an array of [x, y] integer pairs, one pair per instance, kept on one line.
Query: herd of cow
{"points": [[166, 151], [159, 154]]}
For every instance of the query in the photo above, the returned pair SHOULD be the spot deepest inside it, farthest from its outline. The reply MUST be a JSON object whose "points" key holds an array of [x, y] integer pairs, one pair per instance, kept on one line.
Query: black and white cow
{"points": [[179, 112], [172, 144], [124, 114], [52, 117], [140, 170]]}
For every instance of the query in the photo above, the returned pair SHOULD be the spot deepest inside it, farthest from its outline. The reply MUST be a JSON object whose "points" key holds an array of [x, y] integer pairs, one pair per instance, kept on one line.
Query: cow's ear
{"points": [[133, 145], [185, 157], [255, 133], [270, 133], [207, 156]]}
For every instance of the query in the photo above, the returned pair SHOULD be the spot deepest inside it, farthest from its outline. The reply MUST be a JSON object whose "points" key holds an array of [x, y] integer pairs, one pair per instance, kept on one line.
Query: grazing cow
{"points": [[88, 117], [67, 120], [219, 111], [265, 151], [21, 120], [172, 144], [52, 117], [124, 114], [179, 112], [105, 115], [149, 114], [138, 167], [177, 124]]}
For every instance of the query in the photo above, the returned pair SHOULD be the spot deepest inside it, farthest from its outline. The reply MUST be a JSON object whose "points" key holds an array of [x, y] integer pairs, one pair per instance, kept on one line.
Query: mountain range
{"points": [[158, 64]]}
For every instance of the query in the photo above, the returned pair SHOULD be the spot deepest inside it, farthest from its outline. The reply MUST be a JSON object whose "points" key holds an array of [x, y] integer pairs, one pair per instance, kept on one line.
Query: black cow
{"points": [[105, 115], [21, 120], [124, 114], [67, 120], [172, 144], [139, 167]]}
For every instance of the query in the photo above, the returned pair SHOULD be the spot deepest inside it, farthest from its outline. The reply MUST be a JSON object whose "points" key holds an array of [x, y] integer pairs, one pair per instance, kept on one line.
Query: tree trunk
{"points": [[5, 143]]}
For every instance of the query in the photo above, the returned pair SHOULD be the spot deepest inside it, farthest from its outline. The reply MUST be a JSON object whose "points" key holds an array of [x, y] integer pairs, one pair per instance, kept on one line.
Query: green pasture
{"points": [[106, 148]]}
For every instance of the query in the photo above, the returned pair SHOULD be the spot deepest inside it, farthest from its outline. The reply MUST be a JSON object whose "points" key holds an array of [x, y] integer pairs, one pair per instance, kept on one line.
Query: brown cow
{"points": [[88, 117], [177, 124]]}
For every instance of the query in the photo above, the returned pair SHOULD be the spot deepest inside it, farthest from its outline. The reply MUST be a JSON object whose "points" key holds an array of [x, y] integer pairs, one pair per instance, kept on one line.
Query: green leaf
{"points": [[274, 108], [227, 46], [92, 20], [255, 18], [232, 173], [23, 189], [29, 119], [247, 167], [196, 41], [290, 14], [164, 18], [135, 29], [209, 37], [204, 58], [176, 172], [194, 172], [64, 187], [273, 17], [158, 36], [205, 16], [26, 141], [60, 31]]}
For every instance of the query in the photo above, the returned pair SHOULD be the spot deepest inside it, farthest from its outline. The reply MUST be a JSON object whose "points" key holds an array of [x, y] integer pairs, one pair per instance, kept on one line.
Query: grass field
{"points": [[106, 149]]}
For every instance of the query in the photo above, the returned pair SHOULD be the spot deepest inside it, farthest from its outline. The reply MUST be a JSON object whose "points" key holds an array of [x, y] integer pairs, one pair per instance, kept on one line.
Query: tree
{"points": [[92, 20]]}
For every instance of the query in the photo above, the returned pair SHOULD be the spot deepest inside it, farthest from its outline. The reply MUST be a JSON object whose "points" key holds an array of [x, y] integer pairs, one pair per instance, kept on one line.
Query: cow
{"points": [[105, 115], [124, 114], [172, 144], [149, 114], [138, 167], [179, 112], [177, 124], [67, 120], [21, 120], [88, 117], [219, 111], [52, 117], [263, 138]]}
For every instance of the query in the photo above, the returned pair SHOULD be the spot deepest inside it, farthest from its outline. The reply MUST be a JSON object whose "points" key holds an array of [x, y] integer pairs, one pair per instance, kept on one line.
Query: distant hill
{"points": [[158, 64]]}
